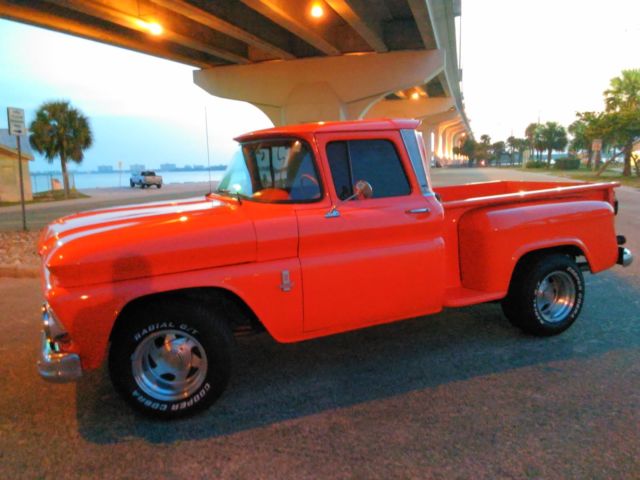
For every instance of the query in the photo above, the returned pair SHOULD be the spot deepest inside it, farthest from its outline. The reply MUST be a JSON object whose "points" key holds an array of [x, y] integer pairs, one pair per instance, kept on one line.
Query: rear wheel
{"points": [[170, 359], [131, 184], [546, 295]]}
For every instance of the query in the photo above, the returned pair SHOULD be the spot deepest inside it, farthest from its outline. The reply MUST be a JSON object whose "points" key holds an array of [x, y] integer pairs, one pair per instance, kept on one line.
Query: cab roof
{"points": [[324, 127]]}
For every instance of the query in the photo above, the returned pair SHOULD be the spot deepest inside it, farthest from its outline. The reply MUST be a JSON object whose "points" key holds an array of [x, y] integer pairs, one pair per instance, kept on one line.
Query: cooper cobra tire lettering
{"points": [[132, 357]]}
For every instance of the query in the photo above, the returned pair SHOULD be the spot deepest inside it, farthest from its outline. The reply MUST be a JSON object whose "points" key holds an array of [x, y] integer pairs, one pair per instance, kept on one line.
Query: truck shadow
{"points": [[275, 382]]}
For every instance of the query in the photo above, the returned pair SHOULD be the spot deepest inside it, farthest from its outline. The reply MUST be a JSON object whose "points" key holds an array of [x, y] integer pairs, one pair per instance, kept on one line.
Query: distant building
{"points": [[9, 172], [105, 169], [199, 167], [136, 168], [168, 167]]}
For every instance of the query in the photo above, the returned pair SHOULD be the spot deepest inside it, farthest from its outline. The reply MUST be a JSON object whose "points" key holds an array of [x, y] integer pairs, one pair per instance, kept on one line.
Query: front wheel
{"points": [[170, 359], [546, 295]]}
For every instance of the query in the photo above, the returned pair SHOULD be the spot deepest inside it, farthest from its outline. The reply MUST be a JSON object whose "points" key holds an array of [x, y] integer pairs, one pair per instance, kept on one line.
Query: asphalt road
{"points": [[458, 395]]}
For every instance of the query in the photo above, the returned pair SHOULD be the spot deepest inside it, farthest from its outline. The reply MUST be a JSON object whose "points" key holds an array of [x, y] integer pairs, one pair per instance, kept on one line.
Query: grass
{"points": [[48, 196], [588, 175], [606, 176]]}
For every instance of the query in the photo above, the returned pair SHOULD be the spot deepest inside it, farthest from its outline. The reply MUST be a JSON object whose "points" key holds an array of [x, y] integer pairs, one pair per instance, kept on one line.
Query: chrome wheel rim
{"points": [[169, 365], [556, 297]]}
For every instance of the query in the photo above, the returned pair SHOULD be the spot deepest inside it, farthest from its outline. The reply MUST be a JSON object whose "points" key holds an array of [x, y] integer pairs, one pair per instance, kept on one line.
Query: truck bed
{"points": [[461, 240], [500, 191]]}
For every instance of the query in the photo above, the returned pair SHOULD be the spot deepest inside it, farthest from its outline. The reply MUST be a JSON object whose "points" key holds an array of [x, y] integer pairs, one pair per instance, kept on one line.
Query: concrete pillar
{"points": [[448, 133], [443, 150], [456, 140], [323, 88], [429, 126], [427, 132]]}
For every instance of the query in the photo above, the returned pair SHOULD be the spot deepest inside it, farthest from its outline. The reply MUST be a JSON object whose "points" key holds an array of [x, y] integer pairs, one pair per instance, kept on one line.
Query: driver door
{"points": [[378, 259]]}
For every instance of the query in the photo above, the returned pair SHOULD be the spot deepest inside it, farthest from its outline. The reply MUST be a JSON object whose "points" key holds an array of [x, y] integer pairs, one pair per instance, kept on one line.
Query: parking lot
{"points": [[461, 394]]}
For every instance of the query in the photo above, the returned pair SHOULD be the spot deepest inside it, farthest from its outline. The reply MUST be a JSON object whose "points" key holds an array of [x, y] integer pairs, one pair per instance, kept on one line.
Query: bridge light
{"points": [[317, 11], [415, 96], [154, 28]]}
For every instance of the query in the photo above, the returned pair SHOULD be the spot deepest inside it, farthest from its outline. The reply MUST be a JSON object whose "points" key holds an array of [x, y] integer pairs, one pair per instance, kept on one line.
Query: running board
{"points": [[462, 297]]}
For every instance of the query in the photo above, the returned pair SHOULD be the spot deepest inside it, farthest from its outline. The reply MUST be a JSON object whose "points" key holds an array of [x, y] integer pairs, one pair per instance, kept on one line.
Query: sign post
{"points": [[15, 117]]}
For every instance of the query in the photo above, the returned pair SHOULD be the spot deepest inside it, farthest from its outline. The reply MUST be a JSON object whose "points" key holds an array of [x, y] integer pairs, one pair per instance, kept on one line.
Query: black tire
{"points": [[159, 185], [200, 348], [143, 185], [131, 184], [545, 295]]}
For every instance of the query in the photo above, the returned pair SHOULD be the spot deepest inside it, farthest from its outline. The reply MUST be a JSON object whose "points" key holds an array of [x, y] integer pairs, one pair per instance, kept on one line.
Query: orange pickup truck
{"points": [[315, 229]]}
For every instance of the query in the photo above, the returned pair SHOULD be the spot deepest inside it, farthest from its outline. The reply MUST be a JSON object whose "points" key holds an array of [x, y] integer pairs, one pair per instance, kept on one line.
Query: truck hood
{"points": [[145, 240]]}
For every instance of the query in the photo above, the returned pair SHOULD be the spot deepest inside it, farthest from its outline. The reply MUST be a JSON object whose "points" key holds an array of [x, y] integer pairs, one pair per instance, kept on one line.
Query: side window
{"points": [[375, 161]]}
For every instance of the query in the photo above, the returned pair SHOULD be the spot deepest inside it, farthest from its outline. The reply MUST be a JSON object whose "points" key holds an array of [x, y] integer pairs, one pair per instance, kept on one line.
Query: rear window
{"points": [[375, 161]]}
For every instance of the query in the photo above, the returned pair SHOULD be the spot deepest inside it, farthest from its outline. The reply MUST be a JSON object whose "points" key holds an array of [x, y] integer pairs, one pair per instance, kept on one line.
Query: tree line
{"points": [[616, 127]]}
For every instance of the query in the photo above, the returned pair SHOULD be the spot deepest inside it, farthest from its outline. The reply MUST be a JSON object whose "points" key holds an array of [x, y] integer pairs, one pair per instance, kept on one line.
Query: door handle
{"points": [[415, 211]]}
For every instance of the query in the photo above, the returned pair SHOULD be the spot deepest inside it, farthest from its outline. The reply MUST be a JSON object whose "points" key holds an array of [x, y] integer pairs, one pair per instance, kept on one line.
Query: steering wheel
{"points": [[305, 177]]}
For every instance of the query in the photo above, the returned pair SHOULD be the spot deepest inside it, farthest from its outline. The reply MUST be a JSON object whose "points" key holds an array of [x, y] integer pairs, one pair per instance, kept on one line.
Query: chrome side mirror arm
{"points": [[362, 189]]}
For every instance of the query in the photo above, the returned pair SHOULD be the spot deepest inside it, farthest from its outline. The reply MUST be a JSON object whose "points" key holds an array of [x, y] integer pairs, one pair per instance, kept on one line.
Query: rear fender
{"points": [[493, 240]]}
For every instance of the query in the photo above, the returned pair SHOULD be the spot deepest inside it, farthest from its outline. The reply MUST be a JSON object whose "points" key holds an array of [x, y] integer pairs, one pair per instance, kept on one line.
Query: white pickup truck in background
{"points": [[146, 179]]}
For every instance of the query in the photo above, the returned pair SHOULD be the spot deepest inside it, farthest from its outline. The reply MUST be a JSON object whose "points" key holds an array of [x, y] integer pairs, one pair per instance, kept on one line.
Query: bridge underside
{"points": [[296, 60]]}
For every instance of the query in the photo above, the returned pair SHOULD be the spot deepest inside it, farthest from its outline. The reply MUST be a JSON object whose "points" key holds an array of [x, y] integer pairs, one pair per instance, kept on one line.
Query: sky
{"points": [[142, 109], [548, 59], [522, 60]]}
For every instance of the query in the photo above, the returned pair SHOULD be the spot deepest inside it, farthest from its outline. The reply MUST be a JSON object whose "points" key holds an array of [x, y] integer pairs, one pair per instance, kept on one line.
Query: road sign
{"points": [[596, 145], [16, 121], [17, 128]]}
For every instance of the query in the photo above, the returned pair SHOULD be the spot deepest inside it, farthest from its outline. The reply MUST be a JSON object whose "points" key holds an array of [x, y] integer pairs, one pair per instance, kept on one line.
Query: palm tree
{"points": [[552, 136], [60, 130], [530, 133], [623, 99], [512, 142], [521, 144], [497, 149], [624, 92], [581, 141]]}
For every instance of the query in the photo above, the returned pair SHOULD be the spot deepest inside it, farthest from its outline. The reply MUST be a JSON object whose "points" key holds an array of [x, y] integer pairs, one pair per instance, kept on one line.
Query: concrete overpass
{"points": [[296, 60]]}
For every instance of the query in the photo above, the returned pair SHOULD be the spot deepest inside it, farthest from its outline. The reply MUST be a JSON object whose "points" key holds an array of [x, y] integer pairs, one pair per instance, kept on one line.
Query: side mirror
{"points": [[362, 189]]}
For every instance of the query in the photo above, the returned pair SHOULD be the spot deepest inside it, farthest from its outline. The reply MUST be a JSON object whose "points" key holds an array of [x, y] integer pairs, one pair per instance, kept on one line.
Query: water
{"points": [[41, 182]]}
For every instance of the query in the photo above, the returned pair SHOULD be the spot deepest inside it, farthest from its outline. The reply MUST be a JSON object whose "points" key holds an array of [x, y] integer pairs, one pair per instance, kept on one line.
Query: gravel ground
{"points": [[18, 249]]}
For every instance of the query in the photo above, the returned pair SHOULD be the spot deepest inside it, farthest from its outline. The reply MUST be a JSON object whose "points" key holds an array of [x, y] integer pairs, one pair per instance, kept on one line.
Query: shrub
{"points": [[536, 164], [567, 163]]}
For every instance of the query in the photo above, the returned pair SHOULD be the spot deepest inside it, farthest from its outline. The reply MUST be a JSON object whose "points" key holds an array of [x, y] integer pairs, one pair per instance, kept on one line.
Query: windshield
{"points": [[272, 171]]}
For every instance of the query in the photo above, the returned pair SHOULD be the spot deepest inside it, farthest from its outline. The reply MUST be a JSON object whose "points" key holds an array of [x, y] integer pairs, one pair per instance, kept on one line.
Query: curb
{"points": [[19, 272]]}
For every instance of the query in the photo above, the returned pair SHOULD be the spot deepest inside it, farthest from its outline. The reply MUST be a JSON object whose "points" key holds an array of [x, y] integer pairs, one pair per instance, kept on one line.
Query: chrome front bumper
{"points": [[625, 257], [55, 365]]}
